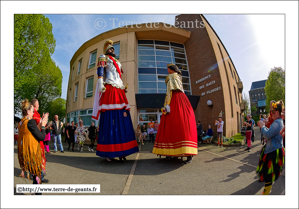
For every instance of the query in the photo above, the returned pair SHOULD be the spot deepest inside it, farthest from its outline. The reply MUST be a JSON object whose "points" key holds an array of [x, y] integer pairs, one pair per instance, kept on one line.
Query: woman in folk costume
{"points": [[37, 118], [177, 134], [116, 137], [272, 155], [29, 149]]}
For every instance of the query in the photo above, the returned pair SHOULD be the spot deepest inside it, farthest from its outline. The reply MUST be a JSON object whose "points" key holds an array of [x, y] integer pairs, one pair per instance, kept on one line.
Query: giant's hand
{"points": [[101, 87], [165, 110]]}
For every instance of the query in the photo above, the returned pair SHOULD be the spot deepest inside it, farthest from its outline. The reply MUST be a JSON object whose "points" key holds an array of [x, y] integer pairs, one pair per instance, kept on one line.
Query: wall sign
{"points": [[202, 79], [211, 91], [206, 85]]}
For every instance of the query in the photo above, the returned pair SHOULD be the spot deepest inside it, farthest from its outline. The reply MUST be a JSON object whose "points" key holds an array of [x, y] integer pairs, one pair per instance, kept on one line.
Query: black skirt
{"points": [[270, 165]]}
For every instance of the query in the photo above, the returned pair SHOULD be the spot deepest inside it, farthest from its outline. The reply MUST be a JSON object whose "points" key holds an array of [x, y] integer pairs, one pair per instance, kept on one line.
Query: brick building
{"points": [[209, 77]]}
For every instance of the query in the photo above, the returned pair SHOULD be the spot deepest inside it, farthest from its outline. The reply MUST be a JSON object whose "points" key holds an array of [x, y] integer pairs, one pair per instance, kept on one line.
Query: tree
{"points": [[253, 109], [275, 86], [57, 107], [35, 73], [246, 102]]}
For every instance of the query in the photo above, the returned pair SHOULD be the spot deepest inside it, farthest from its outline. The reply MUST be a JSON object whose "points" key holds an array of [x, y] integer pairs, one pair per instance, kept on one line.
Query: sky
{"points": [[255, 43]]}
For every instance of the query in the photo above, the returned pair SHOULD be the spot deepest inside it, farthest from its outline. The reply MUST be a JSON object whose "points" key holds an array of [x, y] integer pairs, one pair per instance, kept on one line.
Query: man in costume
{"points": [[177, 134], [116, 136]]}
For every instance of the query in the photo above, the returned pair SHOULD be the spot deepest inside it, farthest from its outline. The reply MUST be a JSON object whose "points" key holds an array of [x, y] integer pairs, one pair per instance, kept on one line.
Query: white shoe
{"points": [[92, 150], [89, 149], [82, 149]]}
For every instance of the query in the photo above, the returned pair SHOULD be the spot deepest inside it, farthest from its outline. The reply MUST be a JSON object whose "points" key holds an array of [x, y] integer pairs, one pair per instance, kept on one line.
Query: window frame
{"points": [[79, 66], [173, 50], [87, 81], [70, 97], [117, 55], [76, 91], [90, 56], [73, 71]]}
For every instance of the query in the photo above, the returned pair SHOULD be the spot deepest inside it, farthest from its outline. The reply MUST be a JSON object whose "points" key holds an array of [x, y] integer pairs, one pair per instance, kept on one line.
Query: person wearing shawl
{"points": [[29, 148], [116, 136], [37, 118], [177, 133], [272, 154]]}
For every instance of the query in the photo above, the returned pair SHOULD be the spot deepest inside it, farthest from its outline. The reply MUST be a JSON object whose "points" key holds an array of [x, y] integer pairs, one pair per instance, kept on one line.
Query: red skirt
{"points": [[177, 133], [112, 99]]}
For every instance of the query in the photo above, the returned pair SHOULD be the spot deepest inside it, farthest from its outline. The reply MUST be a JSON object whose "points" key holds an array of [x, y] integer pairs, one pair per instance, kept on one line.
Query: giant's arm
{"points": [[166, 108], [100, 71]]}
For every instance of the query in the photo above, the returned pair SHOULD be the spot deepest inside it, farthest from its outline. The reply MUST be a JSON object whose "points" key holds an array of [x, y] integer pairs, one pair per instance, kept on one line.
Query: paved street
{"points": [[214, 171]]}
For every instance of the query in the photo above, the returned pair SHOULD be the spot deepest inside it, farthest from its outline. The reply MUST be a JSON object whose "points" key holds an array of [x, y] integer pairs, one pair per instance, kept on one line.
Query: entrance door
{"points": [[145, 116]]}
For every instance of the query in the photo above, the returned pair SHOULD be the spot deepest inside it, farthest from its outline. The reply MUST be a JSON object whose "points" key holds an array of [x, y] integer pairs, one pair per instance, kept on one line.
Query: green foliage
{"points": [[57, 107], [35, 73], [238, 137], [253, 109], [245, 100], [275, 86], [256, 118]]}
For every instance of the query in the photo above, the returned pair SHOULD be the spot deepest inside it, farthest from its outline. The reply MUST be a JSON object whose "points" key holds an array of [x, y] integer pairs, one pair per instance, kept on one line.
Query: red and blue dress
{"points": [[116, 136]]}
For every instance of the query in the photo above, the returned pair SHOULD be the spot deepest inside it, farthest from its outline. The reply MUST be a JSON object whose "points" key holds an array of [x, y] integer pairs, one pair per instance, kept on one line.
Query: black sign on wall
{"points": [[157, 100]]}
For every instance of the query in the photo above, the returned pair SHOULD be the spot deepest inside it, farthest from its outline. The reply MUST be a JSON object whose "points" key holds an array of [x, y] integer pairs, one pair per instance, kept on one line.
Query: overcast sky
{"points": [[255, 43]]}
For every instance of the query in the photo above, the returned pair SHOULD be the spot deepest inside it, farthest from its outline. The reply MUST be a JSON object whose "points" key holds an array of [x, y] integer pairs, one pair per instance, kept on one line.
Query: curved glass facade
{"points": [[153, 58]]}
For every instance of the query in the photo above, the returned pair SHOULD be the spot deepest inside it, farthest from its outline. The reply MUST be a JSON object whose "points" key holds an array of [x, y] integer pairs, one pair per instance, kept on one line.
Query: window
{"points": [[89, 88], [76, 92], [73, 73], [116, 47], [92, 59], [153, 58], [84, 115], [144, 116], [79, 66], [70, 97]]}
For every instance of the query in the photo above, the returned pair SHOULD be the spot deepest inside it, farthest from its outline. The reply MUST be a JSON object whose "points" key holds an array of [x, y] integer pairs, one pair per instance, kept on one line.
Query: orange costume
{"points": [[36, 117], [29, 151]]}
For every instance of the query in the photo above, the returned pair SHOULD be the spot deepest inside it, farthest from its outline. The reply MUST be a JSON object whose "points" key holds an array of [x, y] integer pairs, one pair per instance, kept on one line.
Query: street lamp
{"points": [[209, 103]]}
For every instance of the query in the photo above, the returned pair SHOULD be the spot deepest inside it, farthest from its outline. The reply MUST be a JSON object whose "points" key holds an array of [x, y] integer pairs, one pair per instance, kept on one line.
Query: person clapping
{"points": [[29, 149], [272, 155]]}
